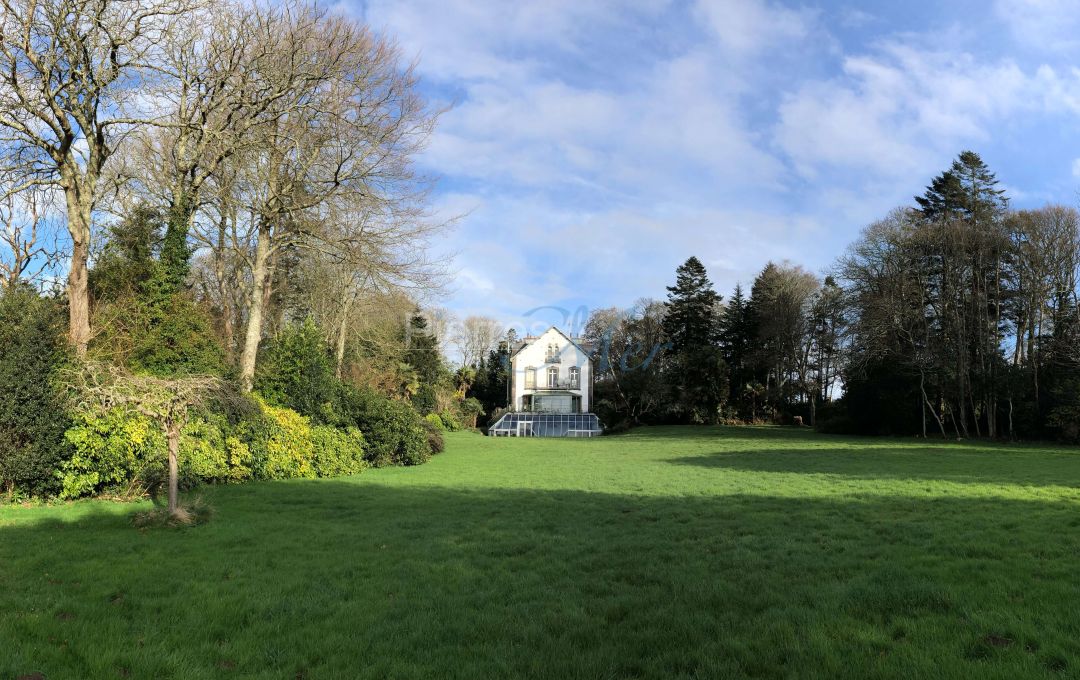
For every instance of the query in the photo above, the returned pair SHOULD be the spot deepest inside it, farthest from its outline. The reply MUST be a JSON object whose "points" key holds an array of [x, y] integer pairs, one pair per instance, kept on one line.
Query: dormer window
{"points": [[552, 354]]}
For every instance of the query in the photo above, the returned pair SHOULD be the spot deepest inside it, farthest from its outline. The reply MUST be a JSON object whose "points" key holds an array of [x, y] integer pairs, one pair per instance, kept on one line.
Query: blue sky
{"points": [[596, 145]]}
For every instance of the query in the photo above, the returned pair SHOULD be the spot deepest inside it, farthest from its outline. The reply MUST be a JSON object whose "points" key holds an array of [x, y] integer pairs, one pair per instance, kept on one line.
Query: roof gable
{"points": [[560, 333]]}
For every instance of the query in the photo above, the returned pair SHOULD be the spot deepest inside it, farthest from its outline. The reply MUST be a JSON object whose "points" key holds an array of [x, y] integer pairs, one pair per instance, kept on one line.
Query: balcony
{"points": [[530, 408], [553, 359], [555, 385]]}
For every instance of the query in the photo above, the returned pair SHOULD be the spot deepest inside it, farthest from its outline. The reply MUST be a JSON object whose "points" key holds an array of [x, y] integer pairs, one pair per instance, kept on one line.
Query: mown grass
{"points": [[663, 553]]}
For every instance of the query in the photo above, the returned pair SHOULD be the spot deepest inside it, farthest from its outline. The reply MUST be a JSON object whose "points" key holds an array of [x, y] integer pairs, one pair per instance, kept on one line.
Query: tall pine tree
{"points": [[736, 335], [697, 374], [424, 358], [967, 190], [691, 317]]}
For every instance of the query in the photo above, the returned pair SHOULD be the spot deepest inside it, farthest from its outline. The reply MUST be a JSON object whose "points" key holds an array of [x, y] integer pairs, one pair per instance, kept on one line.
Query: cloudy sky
{"points": [[596, 145]]}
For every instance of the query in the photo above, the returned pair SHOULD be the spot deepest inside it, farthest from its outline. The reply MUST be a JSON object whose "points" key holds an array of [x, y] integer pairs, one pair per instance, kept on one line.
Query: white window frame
{"points": [[575, 377], [530, 378], [552, 352], [553, 377]]}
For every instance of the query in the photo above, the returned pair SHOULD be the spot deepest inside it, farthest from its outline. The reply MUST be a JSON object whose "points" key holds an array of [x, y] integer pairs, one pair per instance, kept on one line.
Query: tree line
{"points": [[955, 316], [257, 134]]}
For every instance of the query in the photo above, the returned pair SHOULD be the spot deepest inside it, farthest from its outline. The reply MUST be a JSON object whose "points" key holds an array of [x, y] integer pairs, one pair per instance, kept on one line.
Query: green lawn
{"points": [[663, 553]]}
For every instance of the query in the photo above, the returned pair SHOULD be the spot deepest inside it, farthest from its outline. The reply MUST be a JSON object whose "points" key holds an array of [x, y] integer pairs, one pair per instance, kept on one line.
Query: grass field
{"points": [[663, 553]]}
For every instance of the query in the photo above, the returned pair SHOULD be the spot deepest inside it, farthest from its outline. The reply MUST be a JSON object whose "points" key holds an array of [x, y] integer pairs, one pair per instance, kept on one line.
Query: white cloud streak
{"points": [[600, 152]]}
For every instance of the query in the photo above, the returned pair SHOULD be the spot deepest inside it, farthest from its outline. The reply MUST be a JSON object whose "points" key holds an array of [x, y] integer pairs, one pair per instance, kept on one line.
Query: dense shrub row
{"points": [[123, 451], [161, 352], [301, 422]]}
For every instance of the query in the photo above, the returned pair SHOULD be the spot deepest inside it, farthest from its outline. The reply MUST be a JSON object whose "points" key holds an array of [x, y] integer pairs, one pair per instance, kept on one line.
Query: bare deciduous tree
{"points": [[28, 247], [338, 144], [70, 76], [475, 337]]}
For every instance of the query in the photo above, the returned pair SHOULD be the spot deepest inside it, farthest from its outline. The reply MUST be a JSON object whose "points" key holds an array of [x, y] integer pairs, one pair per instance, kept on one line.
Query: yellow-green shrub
{"points": [[240, 459], [116, 449], [338, 452], [290, 451], [436, 421], [121, 450], [203, 456]]}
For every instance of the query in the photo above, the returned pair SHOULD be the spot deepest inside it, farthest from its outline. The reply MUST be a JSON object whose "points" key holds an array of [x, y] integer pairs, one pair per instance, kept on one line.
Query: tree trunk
{"points": [[253, 333], [228, 328], [928, 405], [224, 294], [960, 419], [343, 329], [78, 221], [922, 407], [1010, 418], [173, 436], [974, 415]]}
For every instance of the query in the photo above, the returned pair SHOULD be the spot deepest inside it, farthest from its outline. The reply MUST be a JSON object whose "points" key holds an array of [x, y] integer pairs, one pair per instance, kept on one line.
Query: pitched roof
{"points": [[529, 341]]}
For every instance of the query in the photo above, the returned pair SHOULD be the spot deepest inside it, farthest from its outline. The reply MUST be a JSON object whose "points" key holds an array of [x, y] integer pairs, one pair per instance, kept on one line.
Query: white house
{"points": [[550, 374]]}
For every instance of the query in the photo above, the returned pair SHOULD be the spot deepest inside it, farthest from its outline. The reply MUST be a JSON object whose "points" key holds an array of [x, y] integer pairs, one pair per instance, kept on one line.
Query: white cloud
{"points": [[894, 111], [598, 144], [747, 27], [1043, 25], [854, 17], [496, 40]]}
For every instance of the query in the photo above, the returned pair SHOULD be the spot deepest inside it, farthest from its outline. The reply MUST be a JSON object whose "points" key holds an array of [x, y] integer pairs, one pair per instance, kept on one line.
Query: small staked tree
{"points": [[166, 401]]}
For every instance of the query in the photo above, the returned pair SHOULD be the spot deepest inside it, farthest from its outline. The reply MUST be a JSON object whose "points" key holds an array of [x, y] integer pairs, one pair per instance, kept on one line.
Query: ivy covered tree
{"points": [[175, 251], [295, 371], [145, 319]]}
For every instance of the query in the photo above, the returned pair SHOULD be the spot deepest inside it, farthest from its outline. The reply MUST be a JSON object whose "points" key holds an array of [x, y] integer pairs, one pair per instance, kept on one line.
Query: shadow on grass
{"points": [[813, 438], [336, 579], [697, 432], [949, 463]]}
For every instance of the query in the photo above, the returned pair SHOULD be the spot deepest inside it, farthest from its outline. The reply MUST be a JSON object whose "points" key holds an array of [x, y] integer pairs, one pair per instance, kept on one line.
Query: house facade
{"points": [[550, 373]]}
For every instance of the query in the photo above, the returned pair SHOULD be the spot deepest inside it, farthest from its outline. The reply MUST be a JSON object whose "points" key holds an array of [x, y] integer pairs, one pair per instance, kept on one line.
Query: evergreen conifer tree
{"points": [[691, 317], [697, 375]]}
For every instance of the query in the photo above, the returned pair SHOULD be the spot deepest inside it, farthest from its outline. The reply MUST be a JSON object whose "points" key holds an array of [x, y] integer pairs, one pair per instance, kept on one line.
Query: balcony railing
{"points": [[553, 359], [529, 408], [557, 385]]}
